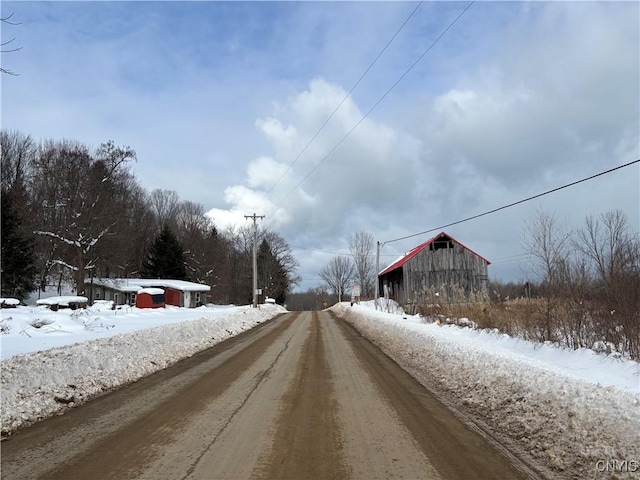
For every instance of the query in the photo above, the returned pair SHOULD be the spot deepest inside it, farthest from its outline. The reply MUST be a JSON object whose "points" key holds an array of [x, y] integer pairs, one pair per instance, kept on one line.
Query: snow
{"points": [[63, 300], [52, 361], [135, 284], [577, 412], [10, 301], [151, 291]]}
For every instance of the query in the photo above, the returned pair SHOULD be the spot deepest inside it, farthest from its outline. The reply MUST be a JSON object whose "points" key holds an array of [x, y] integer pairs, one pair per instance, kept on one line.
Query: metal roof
{"points": [[416, 250], [135, 284]]}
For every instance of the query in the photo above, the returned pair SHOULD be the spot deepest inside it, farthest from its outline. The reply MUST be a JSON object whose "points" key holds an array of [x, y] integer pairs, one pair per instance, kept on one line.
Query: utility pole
{"points": [[377, 272], [255, 217]]}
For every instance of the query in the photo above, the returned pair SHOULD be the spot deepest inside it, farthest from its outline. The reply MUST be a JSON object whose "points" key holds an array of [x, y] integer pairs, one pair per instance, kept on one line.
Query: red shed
{"points": [[150, 298], [172, 296]]}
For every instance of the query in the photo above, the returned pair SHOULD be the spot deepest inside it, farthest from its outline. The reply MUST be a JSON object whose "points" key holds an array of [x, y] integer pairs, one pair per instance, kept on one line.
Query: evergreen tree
{"points": [[165, 258], [272, 277], [17, 255]]}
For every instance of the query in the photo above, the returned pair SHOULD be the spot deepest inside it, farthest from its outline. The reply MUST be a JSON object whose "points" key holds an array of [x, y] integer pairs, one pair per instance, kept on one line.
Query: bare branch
{"points": [[6, 20], [7, 43], [57, 237]]}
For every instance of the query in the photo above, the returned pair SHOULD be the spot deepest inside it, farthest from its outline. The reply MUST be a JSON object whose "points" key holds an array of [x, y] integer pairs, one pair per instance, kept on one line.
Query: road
{"points": [[301, 397]]}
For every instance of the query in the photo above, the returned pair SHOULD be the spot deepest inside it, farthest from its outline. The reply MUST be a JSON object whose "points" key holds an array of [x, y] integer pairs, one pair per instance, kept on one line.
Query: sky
{"points": [[330, 118]]}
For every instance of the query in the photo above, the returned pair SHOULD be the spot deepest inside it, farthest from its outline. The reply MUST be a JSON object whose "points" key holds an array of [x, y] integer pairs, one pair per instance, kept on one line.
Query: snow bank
{"points": [[578, 415], [38, 385], [63, 300]]}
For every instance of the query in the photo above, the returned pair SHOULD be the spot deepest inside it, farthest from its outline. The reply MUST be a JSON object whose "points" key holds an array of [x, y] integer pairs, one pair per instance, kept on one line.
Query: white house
{"points": [[123, 291]]}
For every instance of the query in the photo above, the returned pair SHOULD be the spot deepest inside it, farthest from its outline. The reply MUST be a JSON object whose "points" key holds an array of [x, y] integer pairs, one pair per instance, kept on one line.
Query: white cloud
{"points": [[323, 190], [264, 172], [245, 201], [555, 101]]}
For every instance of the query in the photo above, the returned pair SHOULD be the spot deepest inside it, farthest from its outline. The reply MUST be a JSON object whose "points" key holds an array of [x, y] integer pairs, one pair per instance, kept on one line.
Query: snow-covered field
{"points": [[575, 411]]}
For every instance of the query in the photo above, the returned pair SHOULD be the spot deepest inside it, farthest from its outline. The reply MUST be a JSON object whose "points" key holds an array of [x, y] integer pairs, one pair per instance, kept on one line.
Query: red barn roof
{"points": [[416, 250]]}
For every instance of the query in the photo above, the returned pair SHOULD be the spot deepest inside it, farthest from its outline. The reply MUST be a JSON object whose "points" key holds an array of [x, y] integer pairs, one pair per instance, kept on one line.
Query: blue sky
{"points": [[220, 98]]}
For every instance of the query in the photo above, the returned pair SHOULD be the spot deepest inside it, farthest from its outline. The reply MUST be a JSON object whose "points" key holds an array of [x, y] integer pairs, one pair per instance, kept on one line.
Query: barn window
{"points": [[438, 244]]}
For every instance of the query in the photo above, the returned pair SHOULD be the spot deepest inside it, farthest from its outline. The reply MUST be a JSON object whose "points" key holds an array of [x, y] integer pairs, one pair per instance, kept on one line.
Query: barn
{"points": [[442, 262]]}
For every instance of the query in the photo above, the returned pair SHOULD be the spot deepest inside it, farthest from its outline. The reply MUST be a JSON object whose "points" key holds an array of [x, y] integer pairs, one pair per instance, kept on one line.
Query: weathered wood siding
{"points": [[443, 264], [391, 285]]}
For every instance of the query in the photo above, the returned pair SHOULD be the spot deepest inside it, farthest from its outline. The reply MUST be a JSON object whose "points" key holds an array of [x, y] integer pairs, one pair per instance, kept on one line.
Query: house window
{"points": [[96, 294], [197, 298], [157, 299]]}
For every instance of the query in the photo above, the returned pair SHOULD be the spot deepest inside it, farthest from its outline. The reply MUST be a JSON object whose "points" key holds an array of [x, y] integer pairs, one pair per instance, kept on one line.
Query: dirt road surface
{"points": [[301, 397]]}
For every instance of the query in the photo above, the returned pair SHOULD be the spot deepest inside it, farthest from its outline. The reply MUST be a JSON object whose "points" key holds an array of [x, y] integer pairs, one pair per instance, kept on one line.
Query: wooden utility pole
{"points": [[377, 294], [255, 217]]}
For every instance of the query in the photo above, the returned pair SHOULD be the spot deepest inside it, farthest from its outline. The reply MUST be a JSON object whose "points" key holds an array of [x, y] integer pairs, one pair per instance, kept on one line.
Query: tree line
{"points": [[71, 213], [589, 281]]}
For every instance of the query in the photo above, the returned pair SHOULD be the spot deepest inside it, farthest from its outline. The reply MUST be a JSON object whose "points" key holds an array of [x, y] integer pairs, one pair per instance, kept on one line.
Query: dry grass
{"points": [[560, 321], [509, 316], [573, 319]]}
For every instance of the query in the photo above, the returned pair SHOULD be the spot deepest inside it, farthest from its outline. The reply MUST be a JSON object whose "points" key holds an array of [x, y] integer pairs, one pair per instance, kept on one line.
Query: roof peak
{"points": [[417, 249]]}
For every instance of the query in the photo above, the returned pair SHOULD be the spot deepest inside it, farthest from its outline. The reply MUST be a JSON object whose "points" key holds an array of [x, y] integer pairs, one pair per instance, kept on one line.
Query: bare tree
{"points": [[191, 218], [114, 158], [202, 246], [124, 253], [165, 205], [79, 198], [240, 262], [316, 298], [338, 275], [614, 252], [220, 257], [18, 152], [361, 245], [281, 265], [548, 243], [607, 243]]}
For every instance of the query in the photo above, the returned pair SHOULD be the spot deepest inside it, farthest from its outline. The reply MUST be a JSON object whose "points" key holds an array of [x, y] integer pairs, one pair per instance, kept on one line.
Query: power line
{"points": [[343, 254], [347, 95], [509, 259], [381, 98], [514, 203], [314, 250]]}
